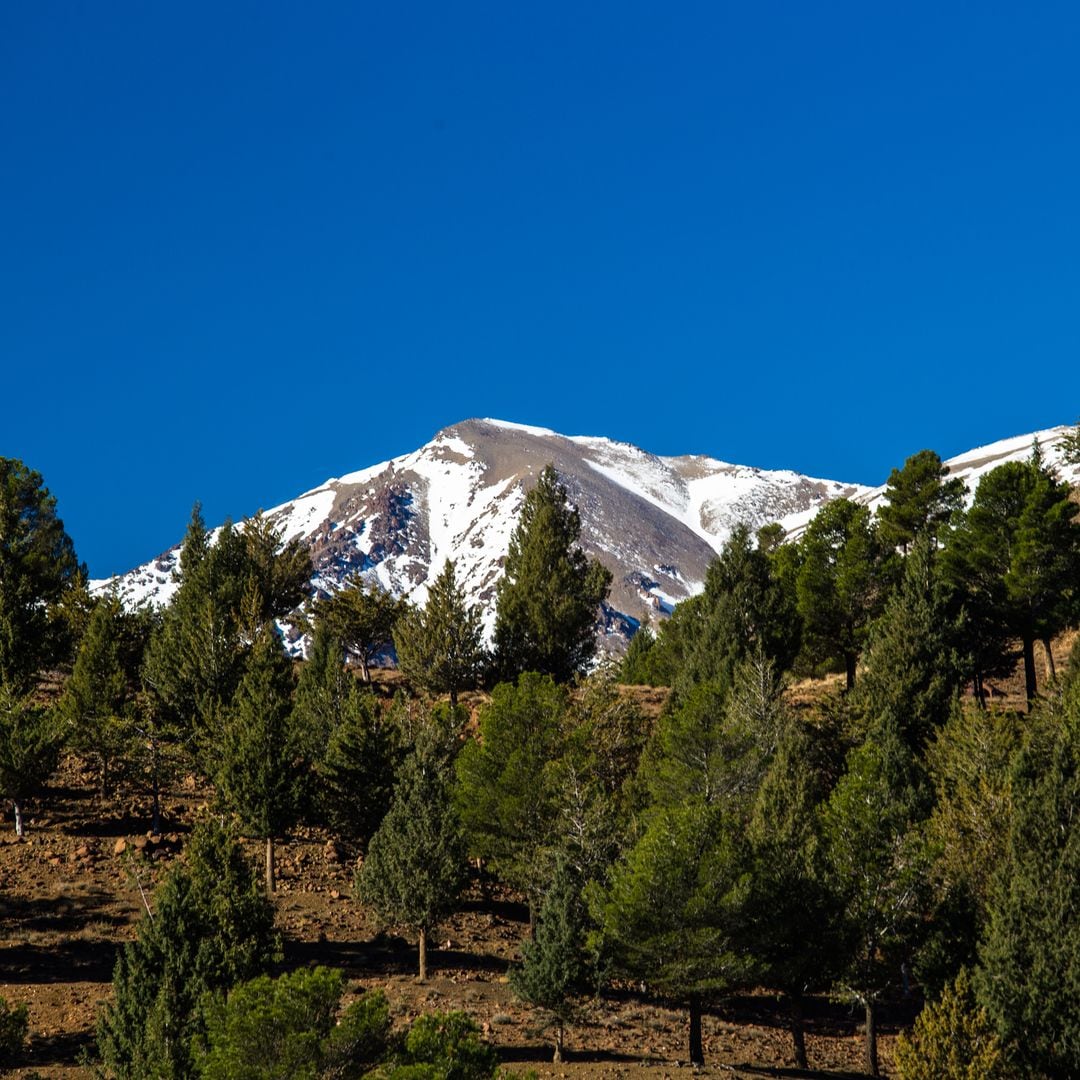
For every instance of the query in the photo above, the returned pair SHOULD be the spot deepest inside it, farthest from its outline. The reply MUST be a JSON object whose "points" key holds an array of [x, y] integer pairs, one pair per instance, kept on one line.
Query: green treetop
{"points": [[549, 597]]}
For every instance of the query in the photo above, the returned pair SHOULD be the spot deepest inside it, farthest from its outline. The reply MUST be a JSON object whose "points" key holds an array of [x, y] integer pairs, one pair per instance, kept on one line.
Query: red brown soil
{"points": [[68, 900]]}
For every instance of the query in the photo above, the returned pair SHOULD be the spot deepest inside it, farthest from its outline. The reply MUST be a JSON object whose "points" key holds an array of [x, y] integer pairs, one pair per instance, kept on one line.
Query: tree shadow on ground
{"points": [[384, 954]]}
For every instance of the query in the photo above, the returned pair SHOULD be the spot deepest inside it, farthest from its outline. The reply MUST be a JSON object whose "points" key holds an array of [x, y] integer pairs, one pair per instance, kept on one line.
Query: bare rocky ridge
{"points": [[655, 522]]}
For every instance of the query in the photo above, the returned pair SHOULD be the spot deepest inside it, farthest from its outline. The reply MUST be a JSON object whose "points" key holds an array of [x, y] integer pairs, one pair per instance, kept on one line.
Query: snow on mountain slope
{"points": [[656, 522]]}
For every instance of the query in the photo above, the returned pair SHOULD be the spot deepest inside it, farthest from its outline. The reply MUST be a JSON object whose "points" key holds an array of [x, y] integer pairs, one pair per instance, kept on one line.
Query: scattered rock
{"points": [[335, 894], [120, 846]]}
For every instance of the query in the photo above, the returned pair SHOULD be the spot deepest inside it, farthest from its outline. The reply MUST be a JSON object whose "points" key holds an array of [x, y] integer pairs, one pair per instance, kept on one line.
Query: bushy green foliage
{"points": [[98, 704], [211, 928], [440, 646], [362, 616], [552, 966], [952, 1039], [357, 768], [920, 500], [258, 773], [291, 1028], [13, 1027], [37, 569], [270, 1028], [415, 864], [227, 591], [674, 910], [505, 793], [1029, 978], [841, 583], [911, 669], [878, 864], [446, 1046], [548, 599], [30, 741]]}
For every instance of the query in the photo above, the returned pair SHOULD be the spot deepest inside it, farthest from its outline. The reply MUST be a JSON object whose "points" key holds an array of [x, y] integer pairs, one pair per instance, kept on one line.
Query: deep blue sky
{"points": [[244, 247]]}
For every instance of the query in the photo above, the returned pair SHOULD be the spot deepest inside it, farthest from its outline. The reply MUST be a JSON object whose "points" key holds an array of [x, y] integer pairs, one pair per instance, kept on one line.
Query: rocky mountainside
{"points": [[656, 522]]}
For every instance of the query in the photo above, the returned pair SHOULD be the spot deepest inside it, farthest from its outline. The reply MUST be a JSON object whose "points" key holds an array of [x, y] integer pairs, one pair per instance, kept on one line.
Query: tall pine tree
{"points": [[548, 600], [439, 646]]}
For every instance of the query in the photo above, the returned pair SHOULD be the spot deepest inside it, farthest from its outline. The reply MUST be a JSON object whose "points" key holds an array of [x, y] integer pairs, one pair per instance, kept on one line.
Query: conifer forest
{"points": [[822, 820]]}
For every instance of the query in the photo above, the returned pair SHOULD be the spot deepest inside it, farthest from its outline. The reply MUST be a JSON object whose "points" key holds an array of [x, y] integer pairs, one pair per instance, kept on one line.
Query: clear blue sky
{"points": [[247, 246]]}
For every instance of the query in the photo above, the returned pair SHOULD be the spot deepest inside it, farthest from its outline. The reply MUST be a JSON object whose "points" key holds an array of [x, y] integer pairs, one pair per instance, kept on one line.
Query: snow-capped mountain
{"points": [[655, 522]]}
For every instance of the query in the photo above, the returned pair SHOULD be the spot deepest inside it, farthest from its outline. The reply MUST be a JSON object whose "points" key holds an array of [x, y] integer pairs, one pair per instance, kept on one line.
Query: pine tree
{"points": [[745, 610], [439, 647], [552, 966], [840, 584], [1029, 979], [274, 1029], [362, 617], [879, 868], [30, 741], [211, 928], [674, 911], [37, 569], [98, 704], [920, 499], [792, 933], [357, 770], [415, 865], [505, 793], [548, 600], [258, 775], [323, 692], [912, 669]]}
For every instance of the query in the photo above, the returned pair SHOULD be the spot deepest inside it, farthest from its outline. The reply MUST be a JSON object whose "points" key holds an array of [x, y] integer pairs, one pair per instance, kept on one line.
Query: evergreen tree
{"points": [[98, 704], [357, 769], [1014, 560], [552, 966], [324, 692], [415, 865], [227, 590], [637, 667], [289, 1028], [792, 933], [878, 866], [258, 774], [1030, 980], [840, 584], [362, 617], [912, 671], [548, 600], [37, 568], [674, 911], [745, 610], [210, 929], [30, 742], [439, 647], [506, 795], [919, 499], [952, 1039]]}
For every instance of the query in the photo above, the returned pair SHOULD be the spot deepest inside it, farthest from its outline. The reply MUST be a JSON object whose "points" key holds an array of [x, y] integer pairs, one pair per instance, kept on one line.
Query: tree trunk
{"points": [[1029, 670], [556, 1058], [697, 1054], [269, 865], [18, 818], [365, 671], [453, 697], [423, 954], [850, 659], [155, 821], [1051, 668], [798, 1036], [980, 691], [871, 1061]]}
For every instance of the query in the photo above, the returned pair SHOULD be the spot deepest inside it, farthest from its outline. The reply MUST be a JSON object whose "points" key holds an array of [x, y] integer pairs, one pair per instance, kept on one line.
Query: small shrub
{"points": [[952, 1040], [13, 1025], [450, 1044]]}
